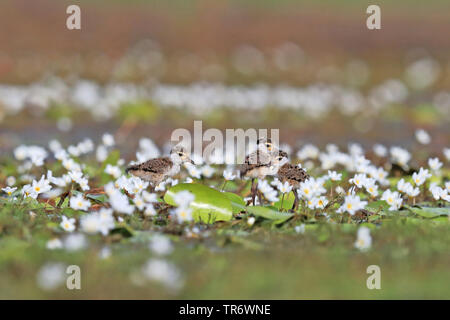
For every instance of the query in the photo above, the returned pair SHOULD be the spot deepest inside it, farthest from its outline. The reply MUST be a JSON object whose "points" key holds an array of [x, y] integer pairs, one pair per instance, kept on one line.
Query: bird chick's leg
{"points": [[260, 197], [253, 191], [295, 205]]}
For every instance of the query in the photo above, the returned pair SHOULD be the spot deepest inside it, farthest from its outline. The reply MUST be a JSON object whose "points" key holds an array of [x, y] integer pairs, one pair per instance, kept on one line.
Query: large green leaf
{"points": [[209, 204], [428, 212], [268, 213], [288, 201], [236, 201]]}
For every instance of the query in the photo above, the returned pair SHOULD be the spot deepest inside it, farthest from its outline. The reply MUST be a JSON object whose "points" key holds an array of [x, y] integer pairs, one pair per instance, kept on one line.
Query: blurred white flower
{"points": [[363, 240], [160, 245], [352, 203], [54, 244], [393, 199], [75, 242], [434, 164], [164, 272], [228, 175], [79, 203], [420, 177], [51, 275], [422, 136], [68, 224]]}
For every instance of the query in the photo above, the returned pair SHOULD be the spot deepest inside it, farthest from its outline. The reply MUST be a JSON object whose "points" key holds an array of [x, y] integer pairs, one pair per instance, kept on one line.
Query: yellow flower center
{"points": [[349, 205], [37, 188]]}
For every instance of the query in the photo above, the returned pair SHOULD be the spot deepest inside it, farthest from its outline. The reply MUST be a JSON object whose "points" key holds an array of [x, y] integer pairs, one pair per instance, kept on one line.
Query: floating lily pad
{"points": [[209, 204]]}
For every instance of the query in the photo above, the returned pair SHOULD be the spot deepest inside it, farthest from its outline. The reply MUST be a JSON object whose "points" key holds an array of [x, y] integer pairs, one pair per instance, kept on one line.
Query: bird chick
{"points": [[293, 174], [258, 164], [159, 169]]}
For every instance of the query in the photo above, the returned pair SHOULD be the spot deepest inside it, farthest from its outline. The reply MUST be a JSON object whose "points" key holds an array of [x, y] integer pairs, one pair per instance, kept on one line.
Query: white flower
{"points": [[164, 272], [251, 221], [438, 192], [300, 228], [119, 202], [149, 197], [101, 154], [340, 190], [371, 187], [193, 170], [320, 202], [113, 170], [183, 198], [108, 140], [420, 177], [446, 152], [434, 164], [352, 204], [10, 181], [79, 203], [71, 165], [422, 136], [51, 275], [269, 193], [359, 180], [308, 151], [363, 240], [207, 171], [28, 191], [9, 191], [41, 186], [149, 210], [393, 199], [160, 245], [182, 214], [284, 187], [136, 185], [228, 175], [412, 192], [54, 244], [98, 222], [400, 156], [68, 224], [75, 241], [105, 253], [334, 176], [306, 189], [380, 150], [139, 202]]}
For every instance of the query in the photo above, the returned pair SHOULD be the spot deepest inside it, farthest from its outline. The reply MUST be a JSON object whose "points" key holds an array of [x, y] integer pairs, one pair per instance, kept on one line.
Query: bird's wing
{"points": [[157, 165], [254, 160], [292, 172]]}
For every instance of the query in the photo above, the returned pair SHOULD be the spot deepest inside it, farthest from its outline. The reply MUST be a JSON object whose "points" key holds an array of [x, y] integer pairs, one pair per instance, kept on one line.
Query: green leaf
{"points": [[428, 212], [376, 206], [236, 201], [268, 213], [97, 197], [288, 201], [209, 204]]}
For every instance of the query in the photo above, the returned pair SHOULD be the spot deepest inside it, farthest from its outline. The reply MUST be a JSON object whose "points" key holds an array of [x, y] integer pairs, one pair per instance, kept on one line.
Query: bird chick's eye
{"points": [[180, 153]]}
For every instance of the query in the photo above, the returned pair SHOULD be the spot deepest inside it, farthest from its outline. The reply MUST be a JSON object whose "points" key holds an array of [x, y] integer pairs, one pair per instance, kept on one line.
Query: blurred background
{"points": [[142, 68]]}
